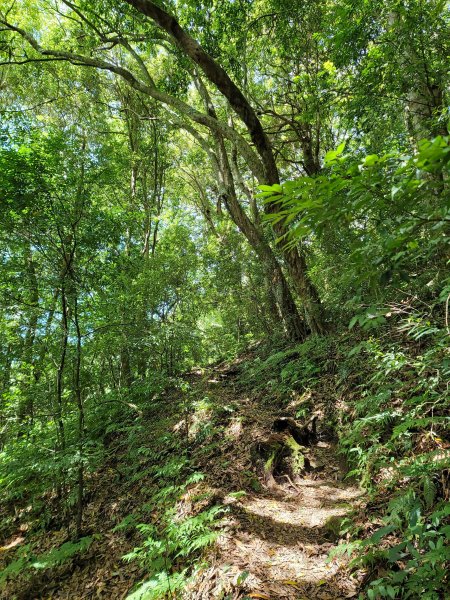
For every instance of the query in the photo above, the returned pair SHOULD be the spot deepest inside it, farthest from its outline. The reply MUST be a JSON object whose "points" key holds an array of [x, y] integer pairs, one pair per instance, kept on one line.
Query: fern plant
{"points": [[26, 561], [170, 551], [395, 437]]}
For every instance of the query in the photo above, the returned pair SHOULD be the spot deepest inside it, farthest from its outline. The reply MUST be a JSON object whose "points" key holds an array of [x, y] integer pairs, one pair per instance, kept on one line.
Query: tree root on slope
{"points": [[284, 452]]}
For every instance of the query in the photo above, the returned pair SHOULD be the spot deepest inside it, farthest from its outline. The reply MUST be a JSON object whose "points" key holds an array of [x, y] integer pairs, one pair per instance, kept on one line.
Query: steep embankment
{"points": [[282, 498]]}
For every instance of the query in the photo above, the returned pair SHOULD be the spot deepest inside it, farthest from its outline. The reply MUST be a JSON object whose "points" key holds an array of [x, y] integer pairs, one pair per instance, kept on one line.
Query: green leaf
{"points": [[371, 159], [242, 577], [381, 533]]}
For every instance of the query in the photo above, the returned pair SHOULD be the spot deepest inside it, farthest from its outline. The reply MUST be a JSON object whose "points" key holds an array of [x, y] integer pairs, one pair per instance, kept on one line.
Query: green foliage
{"points": [[171, 549], [422, 551], [123, 266], [27, 561], [380, 219], [394, 433], [394, 438], [296, 368]]}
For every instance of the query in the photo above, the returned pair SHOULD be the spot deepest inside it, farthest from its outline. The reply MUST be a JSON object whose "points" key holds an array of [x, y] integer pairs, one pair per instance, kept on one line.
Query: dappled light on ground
{"points": [[276, 542]]}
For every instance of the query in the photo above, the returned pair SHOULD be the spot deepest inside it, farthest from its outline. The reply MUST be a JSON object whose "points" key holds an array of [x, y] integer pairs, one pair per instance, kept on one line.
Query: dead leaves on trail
{"points": [[279, 538], [273, 544]]}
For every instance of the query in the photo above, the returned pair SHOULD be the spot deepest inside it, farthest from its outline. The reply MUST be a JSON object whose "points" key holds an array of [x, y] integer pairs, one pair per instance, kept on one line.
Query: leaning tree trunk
{"points": [[279, 289], [293, 325], [286, 307], [216, 75]]}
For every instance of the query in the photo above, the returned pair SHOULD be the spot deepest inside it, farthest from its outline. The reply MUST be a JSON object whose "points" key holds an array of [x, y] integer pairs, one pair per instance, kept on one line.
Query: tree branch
{"points": [[252, 160], [217, 76]]}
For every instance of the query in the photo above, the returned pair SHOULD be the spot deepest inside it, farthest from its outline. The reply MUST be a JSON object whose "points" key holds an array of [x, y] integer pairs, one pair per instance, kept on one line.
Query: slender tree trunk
{"points": [[44, 348], [59, 408], [6, 379], [80, 406], [60, 370], [26, 406], [126, 376], [425, 97]]}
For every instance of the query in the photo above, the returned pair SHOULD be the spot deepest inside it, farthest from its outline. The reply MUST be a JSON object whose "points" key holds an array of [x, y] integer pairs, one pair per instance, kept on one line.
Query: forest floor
{"points": [[280, 537], [274, 542]]}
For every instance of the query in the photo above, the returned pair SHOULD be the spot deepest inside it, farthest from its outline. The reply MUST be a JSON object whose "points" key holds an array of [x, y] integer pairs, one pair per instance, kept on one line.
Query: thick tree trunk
{"points": [[424, 104], [306, 290]]}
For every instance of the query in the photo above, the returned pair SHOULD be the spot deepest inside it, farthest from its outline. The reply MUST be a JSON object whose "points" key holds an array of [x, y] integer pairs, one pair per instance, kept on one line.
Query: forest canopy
{"points": [[250, 187]]}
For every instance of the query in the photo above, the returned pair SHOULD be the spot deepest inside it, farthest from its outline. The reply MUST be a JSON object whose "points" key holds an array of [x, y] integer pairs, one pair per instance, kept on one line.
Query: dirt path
{"points": [[273, 543], [276, 542]]}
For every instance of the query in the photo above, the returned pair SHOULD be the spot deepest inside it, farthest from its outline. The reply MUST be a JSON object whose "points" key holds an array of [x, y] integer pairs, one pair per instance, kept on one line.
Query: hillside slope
{"points": [[272, 540], [230, 482]]}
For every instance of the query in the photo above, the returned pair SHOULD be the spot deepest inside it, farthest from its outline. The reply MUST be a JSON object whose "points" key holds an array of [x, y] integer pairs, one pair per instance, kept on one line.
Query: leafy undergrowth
{"points": [[385, 395], [173, 481], [26, 561], [142, 539]]}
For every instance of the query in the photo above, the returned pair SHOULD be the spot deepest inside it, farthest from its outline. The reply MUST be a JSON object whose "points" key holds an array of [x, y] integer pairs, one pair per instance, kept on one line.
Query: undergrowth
{"points": [[384, 388], [173, 525], [146, 449], [382, 391], [28, 561]]}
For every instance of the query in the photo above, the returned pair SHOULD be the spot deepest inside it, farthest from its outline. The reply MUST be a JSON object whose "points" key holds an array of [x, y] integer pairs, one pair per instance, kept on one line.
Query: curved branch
{"points": [[217, 76], [150, 89]]}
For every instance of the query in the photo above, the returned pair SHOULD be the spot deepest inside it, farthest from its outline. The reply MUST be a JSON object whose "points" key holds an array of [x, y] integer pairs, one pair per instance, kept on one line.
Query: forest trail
{"points": [[224, 267], [273, 543], [276, 542]]}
